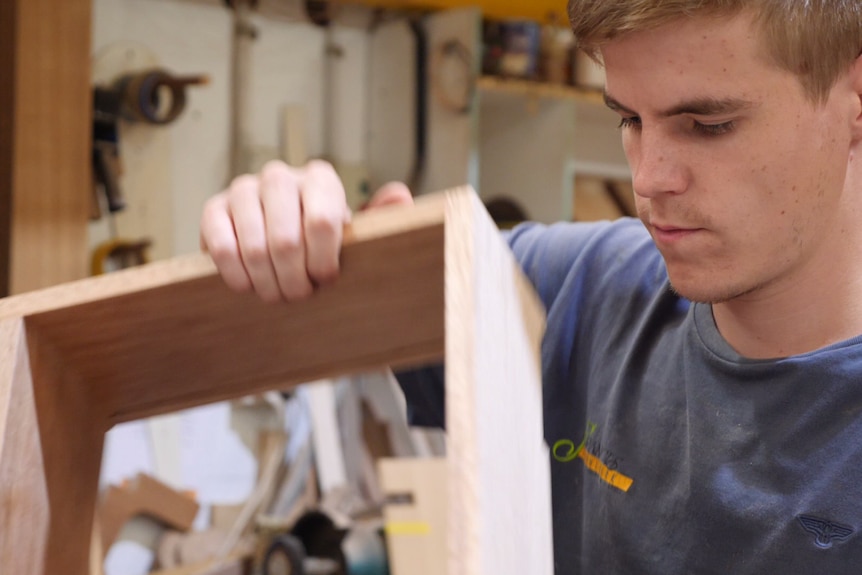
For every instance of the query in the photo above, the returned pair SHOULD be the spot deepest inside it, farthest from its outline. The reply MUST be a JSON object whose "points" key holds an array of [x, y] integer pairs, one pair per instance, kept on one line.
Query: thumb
{"points": [[391, 194]]}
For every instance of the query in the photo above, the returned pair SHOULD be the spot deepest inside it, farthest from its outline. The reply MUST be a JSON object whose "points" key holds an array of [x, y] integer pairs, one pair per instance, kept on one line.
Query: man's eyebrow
{"points": [[615, 105], [696, 107]]}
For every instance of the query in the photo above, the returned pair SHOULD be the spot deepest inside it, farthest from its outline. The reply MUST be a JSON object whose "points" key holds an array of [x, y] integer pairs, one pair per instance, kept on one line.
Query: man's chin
{"points": [[712, 294]]}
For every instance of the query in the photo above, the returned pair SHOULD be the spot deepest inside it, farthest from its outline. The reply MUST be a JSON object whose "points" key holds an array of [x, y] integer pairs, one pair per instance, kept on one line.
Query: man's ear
{"points": [[856, 84]]}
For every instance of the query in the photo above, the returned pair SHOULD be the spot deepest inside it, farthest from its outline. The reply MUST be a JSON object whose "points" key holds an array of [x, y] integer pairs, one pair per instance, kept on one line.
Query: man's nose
{"points": [[657, 169]]}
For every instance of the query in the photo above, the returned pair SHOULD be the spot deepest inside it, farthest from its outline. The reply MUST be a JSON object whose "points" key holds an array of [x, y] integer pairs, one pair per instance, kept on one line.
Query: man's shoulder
{"points": [[618, 255]]}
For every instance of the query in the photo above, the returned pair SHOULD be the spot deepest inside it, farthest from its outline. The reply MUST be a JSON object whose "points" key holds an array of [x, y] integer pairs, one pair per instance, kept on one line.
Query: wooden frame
{"points": [[418, 284]]}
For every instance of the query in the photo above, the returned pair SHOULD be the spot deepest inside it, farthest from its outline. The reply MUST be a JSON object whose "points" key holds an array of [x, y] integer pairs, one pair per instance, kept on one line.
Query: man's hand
{"points": [[279, 232]]}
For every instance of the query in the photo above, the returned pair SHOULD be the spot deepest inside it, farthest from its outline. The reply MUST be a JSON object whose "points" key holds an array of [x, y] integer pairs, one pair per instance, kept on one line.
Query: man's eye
{"points": [[714, 129], [633, 122]]}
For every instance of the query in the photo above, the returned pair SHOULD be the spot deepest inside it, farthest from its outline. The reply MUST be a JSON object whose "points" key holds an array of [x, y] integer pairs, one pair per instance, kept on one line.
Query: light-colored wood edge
{"points": [[499, 474], [416, 527], [463, 521]]}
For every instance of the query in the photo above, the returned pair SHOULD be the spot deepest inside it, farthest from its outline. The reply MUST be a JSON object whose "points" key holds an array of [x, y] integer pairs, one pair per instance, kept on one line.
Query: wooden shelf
{"points": [[540, 90], [538, 10]]}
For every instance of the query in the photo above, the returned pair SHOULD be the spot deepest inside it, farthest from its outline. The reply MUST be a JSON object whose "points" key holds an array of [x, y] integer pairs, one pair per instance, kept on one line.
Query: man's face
{"points": [[738, 176]]}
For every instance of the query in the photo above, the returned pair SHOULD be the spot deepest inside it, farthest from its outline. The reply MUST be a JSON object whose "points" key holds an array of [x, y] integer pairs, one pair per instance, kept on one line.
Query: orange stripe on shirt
{"points": [[595, 465]]}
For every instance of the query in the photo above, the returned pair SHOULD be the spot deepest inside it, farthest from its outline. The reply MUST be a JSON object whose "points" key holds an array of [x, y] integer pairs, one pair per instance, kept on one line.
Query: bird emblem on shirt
{"points": [[826, 533]]}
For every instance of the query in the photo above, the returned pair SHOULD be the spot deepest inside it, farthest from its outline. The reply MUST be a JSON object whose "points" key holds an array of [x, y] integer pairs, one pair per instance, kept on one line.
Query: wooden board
{"points": [[24, 496], [415, 514], [143, 495], [221, 342], [499, 479], [418, 283], [45, 106]]}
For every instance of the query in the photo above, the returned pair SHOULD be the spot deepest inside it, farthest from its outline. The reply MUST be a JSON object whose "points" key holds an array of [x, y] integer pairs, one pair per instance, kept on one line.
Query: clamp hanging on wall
{"points": [[152, 97], [453, 79]]}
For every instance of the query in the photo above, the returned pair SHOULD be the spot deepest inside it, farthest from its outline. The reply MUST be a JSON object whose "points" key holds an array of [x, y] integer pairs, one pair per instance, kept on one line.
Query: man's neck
{"points": [[818, 306], [797, 320]]}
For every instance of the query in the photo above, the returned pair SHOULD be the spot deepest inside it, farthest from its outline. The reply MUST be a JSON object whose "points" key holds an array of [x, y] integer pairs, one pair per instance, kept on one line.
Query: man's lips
{"points": [[667, 233]]}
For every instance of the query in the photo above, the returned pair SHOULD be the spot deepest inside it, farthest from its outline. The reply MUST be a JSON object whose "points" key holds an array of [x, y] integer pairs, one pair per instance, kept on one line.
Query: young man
{"points": [[702, 367]]}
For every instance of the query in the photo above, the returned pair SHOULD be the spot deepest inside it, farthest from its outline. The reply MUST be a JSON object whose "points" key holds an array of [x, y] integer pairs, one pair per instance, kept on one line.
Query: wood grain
{"points": [[224, 345], [48, 141], [71, 430], [24, 508]]}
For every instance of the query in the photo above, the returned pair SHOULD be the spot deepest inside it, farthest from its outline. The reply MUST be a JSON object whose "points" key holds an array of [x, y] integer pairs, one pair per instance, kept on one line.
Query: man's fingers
{"points": [[281, 233], [219, 239], [282, 211], [325, 212], [393, 193], [247, 211]]}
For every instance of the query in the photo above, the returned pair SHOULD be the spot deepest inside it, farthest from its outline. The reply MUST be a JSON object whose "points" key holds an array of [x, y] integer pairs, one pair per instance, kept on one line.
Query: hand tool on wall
{"points": [[153, 97]]}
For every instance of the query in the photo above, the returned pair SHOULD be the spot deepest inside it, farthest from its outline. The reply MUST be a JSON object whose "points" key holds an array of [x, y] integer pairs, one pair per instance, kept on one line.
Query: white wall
{"points": [[287, 67]]}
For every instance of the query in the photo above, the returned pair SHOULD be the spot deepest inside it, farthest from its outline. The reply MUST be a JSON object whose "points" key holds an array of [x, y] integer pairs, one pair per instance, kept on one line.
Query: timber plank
{"points": [[45, 130]]}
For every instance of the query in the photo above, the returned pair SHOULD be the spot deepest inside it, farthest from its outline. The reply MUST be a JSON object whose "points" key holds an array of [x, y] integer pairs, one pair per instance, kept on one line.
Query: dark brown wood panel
{"points": [[8, 20]]}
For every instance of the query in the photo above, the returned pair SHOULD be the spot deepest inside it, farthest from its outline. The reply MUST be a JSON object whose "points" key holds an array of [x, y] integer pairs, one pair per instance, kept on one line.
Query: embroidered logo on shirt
{"points": [[565, 450], [826, 533]]}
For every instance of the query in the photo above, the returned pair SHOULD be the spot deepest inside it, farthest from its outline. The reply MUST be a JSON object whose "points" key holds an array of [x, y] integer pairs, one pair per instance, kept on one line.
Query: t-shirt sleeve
{"points": [[566, 257]]}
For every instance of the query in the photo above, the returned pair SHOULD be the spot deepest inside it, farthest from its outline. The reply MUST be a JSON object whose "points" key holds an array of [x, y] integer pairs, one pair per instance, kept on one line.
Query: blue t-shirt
{"points": [[671, 453]]}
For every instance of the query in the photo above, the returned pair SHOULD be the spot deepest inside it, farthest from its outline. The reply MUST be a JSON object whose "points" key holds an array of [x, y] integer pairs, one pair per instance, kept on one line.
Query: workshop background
{"points": [[119, 118]]}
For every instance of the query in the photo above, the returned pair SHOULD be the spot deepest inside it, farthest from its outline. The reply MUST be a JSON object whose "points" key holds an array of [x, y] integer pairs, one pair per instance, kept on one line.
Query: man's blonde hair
{"points": [[815, 39]]}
